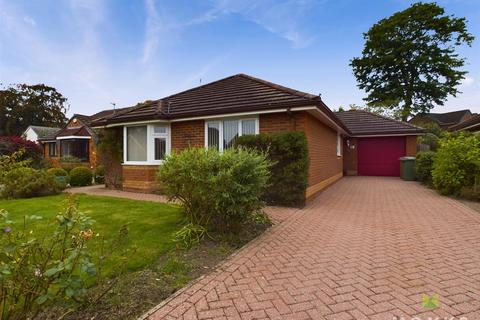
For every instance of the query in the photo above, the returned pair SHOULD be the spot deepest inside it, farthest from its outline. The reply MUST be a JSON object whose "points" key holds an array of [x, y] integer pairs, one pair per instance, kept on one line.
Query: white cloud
{"points": [[282, 18], [30, 21]]}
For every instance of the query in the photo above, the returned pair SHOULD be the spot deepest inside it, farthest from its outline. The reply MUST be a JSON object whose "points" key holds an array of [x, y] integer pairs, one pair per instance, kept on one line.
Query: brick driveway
{"points": [[366, 248]]}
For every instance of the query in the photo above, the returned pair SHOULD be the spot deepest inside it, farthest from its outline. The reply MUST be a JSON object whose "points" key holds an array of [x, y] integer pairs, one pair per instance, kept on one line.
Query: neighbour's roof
{"points": [[448, 117], [361, 122], [43, 131], [237, 93], [473, 121], [77, 131]]}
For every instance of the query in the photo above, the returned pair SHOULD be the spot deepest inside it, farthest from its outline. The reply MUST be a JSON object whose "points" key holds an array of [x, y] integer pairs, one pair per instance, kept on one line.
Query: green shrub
{"points": [[289, 174], [424, 163], [80, 176], [218, 191], [100, 174], [10, 162], [430, 140], [29, 182], [456, 163], [60, 173]]}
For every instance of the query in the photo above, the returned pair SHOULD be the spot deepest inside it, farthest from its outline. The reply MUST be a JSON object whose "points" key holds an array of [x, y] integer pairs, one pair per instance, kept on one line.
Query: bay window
{"points": [[221, 134], [146, 144]]}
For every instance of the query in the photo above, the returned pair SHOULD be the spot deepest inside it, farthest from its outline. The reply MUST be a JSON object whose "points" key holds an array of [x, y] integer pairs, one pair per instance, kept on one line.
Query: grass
{"points": [[155, 270], [151, 224]]}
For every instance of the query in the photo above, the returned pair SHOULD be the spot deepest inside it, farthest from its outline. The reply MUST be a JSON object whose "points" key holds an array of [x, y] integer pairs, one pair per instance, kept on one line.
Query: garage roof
{"points": [[364, 123]]}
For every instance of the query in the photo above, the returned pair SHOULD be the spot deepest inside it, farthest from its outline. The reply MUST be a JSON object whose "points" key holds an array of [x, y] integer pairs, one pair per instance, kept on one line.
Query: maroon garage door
{"points": [[379, 156]]}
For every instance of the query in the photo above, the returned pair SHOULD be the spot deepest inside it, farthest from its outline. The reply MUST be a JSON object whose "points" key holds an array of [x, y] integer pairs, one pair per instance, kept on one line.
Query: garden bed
{"points": [[153, 270]]}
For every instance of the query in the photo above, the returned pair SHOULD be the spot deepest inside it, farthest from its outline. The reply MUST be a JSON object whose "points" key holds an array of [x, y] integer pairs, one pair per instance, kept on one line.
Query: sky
{"points": [[99, 52]]}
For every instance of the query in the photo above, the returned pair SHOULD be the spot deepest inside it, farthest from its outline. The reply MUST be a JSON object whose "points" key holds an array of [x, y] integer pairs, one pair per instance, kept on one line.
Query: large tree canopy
{"points": [[409, 62], [22, 105]]}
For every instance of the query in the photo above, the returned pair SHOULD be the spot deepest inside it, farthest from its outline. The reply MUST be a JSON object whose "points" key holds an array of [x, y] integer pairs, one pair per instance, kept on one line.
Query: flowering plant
{"points": [[38, 271]]}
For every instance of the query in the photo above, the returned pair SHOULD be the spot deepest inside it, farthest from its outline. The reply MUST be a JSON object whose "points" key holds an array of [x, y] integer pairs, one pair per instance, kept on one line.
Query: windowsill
{"points": [[142, 163]]}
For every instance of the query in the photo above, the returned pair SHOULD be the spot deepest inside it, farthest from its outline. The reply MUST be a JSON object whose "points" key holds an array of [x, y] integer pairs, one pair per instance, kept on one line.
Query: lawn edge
{"points": [[219, 265]]}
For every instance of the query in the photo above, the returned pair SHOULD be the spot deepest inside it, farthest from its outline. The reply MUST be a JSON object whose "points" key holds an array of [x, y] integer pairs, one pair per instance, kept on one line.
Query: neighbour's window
{"points": [[160, 142], [228, 131], [77, 148], [137, 143], [339, 145], [52, 149]]}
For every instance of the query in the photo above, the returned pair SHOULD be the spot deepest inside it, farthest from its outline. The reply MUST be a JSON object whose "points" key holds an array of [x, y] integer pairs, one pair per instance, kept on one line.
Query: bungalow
{"points": [[36, 133], [472, 124], [443, 120], [215, 114], [76, 141]]}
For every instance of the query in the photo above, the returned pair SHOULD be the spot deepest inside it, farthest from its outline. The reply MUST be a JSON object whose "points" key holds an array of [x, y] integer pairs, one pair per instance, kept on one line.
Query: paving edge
{"points": [[150, 312]]}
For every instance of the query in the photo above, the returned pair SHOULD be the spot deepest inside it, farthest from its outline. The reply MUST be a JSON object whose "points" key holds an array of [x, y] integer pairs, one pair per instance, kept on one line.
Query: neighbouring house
{"points": [[443, 120], [75, 143], [472, 124], [215, 114], [34, 133], [375, 143]]}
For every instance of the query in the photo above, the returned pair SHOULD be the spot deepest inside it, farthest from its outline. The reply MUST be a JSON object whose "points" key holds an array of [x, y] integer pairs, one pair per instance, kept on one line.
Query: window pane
{"points": [[248, 127], [160, 129], [137, 143], [230, 133], [160, 148], [213, 135]]}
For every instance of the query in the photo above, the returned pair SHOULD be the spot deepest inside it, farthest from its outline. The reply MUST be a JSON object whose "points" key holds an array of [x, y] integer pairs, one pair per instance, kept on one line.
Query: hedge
{"points": [[289, 174], [80, 176], [424, 165], [29, 182]]}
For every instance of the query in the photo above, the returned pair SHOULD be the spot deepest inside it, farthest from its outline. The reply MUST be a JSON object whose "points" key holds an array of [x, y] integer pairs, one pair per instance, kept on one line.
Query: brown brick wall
{"points": [[282, 122], [140, 178], [188, 134], [411, 146], [322, 145], [350, 159]]}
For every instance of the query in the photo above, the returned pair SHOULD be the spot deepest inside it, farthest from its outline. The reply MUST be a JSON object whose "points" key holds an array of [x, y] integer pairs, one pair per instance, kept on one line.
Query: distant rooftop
{"points": [[447, 118]]}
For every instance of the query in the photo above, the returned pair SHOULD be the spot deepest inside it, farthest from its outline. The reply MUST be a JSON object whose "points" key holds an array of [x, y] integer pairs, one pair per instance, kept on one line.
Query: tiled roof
{"points": [[77, 131], [361, 123], [473, 121], [238, 93], [448, 118], [44, 131]]}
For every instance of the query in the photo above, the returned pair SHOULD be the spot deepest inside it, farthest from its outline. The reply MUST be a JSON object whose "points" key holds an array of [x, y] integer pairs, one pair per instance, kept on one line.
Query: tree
{"points": [[409, 62], [22, 105]]}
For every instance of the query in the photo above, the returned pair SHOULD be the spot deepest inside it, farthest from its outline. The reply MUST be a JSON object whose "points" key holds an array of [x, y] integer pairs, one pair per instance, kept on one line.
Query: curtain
{"points": [[230, 133], [214, 135], [137, 143]]}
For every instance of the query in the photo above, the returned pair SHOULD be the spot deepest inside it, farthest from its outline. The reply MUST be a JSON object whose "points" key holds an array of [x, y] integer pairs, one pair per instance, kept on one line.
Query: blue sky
{"points": [[101, 51]]}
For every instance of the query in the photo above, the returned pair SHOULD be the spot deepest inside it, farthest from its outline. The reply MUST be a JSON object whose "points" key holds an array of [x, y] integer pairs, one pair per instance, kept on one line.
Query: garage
{"points": [[380, 156], [376, 143]]}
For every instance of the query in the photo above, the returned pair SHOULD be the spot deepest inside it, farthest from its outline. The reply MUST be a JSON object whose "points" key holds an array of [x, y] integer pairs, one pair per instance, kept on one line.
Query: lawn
{"points": [[156, 268], [150, 224]]}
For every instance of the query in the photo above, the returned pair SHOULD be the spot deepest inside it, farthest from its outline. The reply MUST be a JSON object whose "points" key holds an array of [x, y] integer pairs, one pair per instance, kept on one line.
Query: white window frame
{"points": [[151, 135], [339, 144], [220, 126]]}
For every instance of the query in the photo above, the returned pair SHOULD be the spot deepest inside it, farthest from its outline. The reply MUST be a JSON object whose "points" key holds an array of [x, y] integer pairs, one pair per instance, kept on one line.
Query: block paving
{"points": [[365, 248]]}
